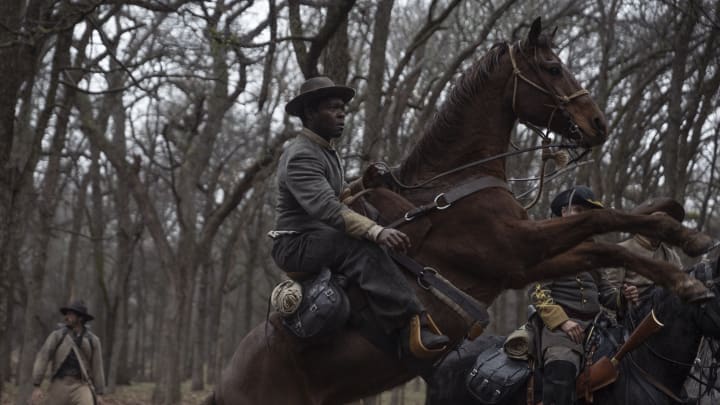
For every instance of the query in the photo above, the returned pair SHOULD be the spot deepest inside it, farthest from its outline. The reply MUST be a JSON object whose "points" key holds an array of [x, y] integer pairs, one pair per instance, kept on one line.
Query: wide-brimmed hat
{"points": [[661, 204], [581, 195], [317, 88], [79, 308]]}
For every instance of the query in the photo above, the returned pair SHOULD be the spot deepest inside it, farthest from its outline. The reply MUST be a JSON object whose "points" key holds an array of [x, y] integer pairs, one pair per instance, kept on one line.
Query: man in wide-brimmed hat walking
{"points": [[75, 356], [314, 229]]}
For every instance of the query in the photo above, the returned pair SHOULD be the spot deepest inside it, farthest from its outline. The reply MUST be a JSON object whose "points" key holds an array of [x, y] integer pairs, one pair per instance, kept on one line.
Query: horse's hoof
{"points": [[694, 291], [698, 244]]}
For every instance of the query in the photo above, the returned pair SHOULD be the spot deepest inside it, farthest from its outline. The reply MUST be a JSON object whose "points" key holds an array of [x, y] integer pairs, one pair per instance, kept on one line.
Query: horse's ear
{"points": [[534, 33]]}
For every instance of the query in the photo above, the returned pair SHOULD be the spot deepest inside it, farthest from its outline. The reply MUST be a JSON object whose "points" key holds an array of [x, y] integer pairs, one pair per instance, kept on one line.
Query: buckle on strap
{"points": [[437, 203], [421, 277]]}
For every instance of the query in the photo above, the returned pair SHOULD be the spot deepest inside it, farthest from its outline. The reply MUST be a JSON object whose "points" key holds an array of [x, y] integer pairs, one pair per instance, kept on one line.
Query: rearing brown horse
{"points": [[484, 243]]}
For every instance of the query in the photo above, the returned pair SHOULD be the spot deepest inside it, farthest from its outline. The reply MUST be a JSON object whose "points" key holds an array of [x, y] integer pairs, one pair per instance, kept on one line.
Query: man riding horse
{"points": [[314, 229], [567, 306]]}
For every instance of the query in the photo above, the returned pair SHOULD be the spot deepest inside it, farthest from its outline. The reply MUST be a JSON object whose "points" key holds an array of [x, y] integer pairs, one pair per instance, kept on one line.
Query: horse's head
{"points": [[545, 93]]}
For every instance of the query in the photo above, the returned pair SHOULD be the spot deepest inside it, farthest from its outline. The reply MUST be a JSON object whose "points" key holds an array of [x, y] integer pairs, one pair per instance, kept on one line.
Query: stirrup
{"points": [[417, 348]]}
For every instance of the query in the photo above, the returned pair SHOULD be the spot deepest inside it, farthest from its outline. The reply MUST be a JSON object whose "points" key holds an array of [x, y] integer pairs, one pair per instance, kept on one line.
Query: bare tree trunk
{"points": [[156, 333], [77, 222], [670, 155], [123, 364], [139, 363], [711, 182], [14, 67], [167, 392], [118, 344], [200, 326], [372, 133], [227, 263]]}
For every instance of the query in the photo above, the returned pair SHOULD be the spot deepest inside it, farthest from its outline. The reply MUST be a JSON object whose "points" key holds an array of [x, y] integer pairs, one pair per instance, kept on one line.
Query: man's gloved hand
{"points": [[394, 239]]}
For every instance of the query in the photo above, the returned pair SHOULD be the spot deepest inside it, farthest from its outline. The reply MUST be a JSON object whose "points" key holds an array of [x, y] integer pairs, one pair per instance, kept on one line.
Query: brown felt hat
{"points": [[661, 204], [79, 308], [317, 88]]}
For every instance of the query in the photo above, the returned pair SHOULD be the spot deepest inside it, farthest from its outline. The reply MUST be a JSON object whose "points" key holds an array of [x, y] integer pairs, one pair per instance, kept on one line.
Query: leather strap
{"points": [[428, 278], [81, 361], [446, 199]]}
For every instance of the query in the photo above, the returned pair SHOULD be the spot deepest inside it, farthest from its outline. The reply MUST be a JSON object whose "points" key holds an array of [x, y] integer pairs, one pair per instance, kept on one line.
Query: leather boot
{"points": [[423, 338], [559, 383]]}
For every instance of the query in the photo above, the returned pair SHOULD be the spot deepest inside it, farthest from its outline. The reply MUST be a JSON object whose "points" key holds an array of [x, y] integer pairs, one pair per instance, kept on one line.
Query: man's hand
{"points": [[394, 239], [573, 329], [373, 176], [630, 292], [37, 396], [99, 400]]}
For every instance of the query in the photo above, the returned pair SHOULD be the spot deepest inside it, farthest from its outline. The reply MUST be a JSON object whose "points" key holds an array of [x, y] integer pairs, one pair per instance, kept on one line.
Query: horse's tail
{"points": [[210, 400]]}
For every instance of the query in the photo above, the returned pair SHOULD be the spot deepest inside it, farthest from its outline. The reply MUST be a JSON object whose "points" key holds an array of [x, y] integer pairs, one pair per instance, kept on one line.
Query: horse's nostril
{"points": [[599, 124]]}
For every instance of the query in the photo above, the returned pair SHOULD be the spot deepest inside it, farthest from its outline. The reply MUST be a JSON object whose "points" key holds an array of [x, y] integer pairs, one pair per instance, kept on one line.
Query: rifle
{"points": [[605, 371]]}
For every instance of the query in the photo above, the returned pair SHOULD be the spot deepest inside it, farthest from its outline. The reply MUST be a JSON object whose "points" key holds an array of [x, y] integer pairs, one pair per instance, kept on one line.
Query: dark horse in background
{"points": [[667, 356], [484, 243]]}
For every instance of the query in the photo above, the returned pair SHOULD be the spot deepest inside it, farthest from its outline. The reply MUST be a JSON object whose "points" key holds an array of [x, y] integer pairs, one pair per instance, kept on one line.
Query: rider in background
{"points": [[566, 306], [635, 287]]}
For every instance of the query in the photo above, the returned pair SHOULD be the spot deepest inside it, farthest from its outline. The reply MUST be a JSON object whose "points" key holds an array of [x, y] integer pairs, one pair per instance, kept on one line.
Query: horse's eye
{"points": [[555, 71]]}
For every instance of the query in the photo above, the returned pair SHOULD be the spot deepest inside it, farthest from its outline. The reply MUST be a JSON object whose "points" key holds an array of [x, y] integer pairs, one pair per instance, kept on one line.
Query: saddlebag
{"points": [[324, 308], [495, 377]]}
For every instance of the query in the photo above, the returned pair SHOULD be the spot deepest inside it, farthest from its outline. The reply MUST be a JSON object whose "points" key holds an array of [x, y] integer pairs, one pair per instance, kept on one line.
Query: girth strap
{"points": [[446, 199], [428, 277]]}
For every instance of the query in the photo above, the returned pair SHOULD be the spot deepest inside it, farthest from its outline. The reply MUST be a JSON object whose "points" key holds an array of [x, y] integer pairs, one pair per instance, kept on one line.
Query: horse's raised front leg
{"points": [[589, 256], [560, 234]]}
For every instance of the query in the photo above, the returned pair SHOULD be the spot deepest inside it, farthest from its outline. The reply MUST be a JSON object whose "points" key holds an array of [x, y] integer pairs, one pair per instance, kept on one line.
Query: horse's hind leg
{"points": [[264, 371], [589, 256], [560, 234]]}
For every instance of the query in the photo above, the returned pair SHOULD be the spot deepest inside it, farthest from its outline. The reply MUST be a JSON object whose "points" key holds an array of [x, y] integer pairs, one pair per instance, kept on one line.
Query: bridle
{"points": [[561, 100]]}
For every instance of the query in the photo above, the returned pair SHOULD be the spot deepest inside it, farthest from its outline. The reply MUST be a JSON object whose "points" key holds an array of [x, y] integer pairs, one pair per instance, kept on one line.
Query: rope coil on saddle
{"points": [[286, 297]]}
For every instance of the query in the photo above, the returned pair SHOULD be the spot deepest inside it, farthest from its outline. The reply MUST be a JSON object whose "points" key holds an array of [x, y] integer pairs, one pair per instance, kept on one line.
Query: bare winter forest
{"points": [[138, 142]]}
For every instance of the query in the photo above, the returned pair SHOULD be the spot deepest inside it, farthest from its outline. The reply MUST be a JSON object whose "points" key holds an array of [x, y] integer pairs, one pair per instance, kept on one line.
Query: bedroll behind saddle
{"points": [[323, 310]]}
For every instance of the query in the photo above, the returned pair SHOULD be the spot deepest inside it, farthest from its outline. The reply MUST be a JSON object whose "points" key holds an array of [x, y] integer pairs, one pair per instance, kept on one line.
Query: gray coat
{"points": [[310, 180], [578, 296]]}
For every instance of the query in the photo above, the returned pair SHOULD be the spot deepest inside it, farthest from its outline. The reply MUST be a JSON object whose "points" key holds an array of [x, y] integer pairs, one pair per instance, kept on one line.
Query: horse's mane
{"points": [[466, 87]]}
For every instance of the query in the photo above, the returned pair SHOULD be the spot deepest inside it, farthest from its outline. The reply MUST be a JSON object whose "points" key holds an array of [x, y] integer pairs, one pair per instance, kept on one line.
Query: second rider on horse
{"points": [[314, 229]]}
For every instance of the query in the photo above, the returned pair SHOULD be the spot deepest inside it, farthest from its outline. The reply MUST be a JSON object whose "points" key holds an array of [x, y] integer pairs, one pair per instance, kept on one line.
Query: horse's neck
{"points": [[463, 132], [668, 355]]}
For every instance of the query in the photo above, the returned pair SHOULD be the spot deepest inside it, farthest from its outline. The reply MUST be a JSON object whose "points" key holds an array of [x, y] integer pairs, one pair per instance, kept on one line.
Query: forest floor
{"points": [[134, 394], [140, 394]]}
